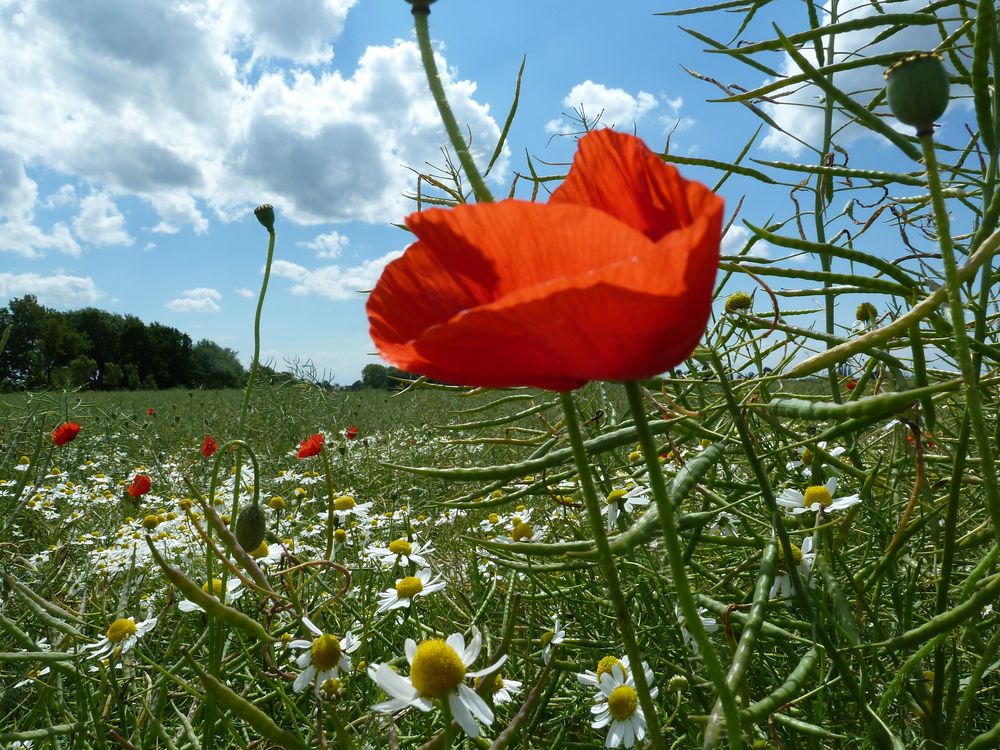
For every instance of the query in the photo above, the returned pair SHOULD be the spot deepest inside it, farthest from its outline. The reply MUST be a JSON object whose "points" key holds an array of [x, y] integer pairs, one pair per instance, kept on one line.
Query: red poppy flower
{"points": [[612, 279], [209, 446], [150, 412], [140, 485], [65, 432], [852, 384], [351, 432], [311, 445]]}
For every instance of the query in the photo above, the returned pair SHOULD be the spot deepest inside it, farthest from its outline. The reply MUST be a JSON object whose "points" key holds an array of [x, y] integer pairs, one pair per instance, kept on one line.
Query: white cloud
{"points": [[18, 196], [615, 107], [58, 290], [168, 104], [244, 292], [200, 300], [327, 245], [736, 239], [333, 282], [100, 222], [800, 112]]}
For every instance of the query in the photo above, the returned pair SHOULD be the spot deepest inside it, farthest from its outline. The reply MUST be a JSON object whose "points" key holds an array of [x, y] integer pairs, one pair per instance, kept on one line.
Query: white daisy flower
{"points": [[324, 657], [710, 624], [806, 456], [804, 558], [346, 506], [121, 636], [725, 524], [406, 589], [234, 590], [504, 690], [400, 552], [617, 704], [593, 679], [438, 669], [817, 498], [551, 639], [627, 500]]}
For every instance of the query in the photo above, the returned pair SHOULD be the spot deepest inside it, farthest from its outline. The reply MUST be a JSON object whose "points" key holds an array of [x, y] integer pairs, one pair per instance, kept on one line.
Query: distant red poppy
{"points": [[150, 412], [612, 279], [209, 446], [65, 432], [852, 384], [140, 485], [311, 445], [351, 432]]}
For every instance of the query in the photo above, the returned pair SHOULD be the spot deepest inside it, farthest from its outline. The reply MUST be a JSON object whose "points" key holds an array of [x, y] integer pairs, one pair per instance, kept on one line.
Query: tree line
{"points": [[93, 348]]}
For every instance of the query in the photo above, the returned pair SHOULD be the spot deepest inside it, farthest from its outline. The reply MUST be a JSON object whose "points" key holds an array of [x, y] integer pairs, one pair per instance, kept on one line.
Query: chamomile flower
{"points": [[346, 506], [806, 456], [504, 690], [551, 639], [804, 558], [122, 635], [709, 624], [624, 499], [604, 666], [400, 552], [234, 590], [323, 658], [817, 498], [438, 669], [617, 705], [407, 589]]}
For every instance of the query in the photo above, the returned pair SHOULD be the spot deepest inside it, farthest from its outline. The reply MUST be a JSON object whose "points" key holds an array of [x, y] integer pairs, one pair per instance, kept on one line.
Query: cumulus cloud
{"points": [[737, 238], [333, 282], [100, 222], [173, 103], [615, 107], [18, 231], [800, 112], [244, 292], [200, 300], [58, 290], [327, 245]]}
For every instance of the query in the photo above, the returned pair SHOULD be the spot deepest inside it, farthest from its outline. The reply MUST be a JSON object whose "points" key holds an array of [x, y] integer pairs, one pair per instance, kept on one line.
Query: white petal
{"points": [[831, 485], [304, 659], [462, 715], [457, 643], [490, 669], [475, 704], [312, 627], [304, 678], [629, 732], [472, 652], [410, 648], [395, 685]]}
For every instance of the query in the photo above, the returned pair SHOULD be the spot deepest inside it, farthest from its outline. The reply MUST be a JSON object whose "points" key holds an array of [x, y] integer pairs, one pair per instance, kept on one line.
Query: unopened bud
{"points": [[265, 215]]}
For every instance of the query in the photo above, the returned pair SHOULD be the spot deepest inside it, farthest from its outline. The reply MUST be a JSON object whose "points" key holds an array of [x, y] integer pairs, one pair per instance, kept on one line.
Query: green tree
{"points": [[213, 366], [375, 376]]}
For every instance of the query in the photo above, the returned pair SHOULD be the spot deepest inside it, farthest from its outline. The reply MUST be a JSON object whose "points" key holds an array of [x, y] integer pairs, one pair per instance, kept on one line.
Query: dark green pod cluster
{"points": [[250, 527], [917, 89]]}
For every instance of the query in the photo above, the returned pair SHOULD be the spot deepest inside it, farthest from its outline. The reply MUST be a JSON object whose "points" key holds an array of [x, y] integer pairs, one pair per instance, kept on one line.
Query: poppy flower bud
{"points": [[917, 89], [265, 215], [250, 527], [421, 6]]}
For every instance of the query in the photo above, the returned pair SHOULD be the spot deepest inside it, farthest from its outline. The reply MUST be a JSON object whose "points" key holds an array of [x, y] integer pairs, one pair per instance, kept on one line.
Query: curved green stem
{"points": [[970, 376], [678, 571], [458, 142], [610, 571]]}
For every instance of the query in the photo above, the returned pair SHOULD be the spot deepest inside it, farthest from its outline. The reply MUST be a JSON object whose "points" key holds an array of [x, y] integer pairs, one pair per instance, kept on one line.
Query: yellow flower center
{"points": [[622, 702], [436, 669], [496, 494], [150, 522], [262, 551], [497, 683], [409, 587], [331, 687], [616, 496], [604, 667], [818, 494], [635, 456], [121, 629], [340, 536], [796, 555], [522, 531], [215, 589], [344, 503], [547, 636], [705, 442], [325, 652], [277, 503], [400, 547], [807, 457], [494, 519], [24, 461]]}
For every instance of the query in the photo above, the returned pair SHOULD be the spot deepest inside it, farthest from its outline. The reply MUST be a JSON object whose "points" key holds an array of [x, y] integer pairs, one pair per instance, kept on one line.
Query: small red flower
{"points": [[311, 445], [209, 446], [351, 432], [65, 432], [140, 486], [150, 412], [612, 279], [852, 384]]}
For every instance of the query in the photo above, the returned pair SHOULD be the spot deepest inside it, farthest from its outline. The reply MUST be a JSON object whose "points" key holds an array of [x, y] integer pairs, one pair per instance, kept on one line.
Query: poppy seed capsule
{"points": [[265, 215], [917, 89], [250, 527]]}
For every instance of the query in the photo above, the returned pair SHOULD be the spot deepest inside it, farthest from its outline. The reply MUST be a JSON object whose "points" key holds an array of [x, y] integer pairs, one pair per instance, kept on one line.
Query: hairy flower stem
{"points": [[678, 571], [458, 142], [970, 376], [610, 570]]}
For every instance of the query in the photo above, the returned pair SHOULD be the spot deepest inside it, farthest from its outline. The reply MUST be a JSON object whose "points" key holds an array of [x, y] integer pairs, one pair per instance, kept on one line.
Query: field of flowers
{"points": [[660, 511]]}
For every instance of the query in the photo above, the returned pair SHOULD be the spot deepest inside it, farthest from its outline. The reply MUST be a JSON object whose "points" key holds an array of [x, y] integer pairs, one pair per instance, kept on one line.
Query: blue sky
{"points": [[135, 139]]}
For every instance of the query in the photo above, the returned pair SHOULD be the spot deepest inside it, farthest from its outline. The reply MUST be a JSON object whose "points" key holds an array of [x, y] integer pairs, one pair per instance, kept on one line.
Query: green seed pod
{"points": [[917, 89], [250, 527], [265, 215]]}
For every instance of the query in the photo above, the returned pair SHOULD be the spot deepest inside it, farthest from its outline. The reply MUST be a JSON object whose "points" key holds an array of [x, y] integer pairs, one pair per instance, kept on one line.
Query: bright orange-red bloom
{"points": [[65, 432], [612, 279], [311, 446], [351, 432], [150, 412], [209, 446], [140, 485]]}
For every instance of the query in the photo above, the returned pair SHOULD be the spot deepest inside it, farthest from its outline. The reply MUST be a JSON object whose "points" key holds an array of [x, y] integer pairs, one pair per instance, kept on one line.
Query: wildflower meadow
{"points": [[638, 487]]}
